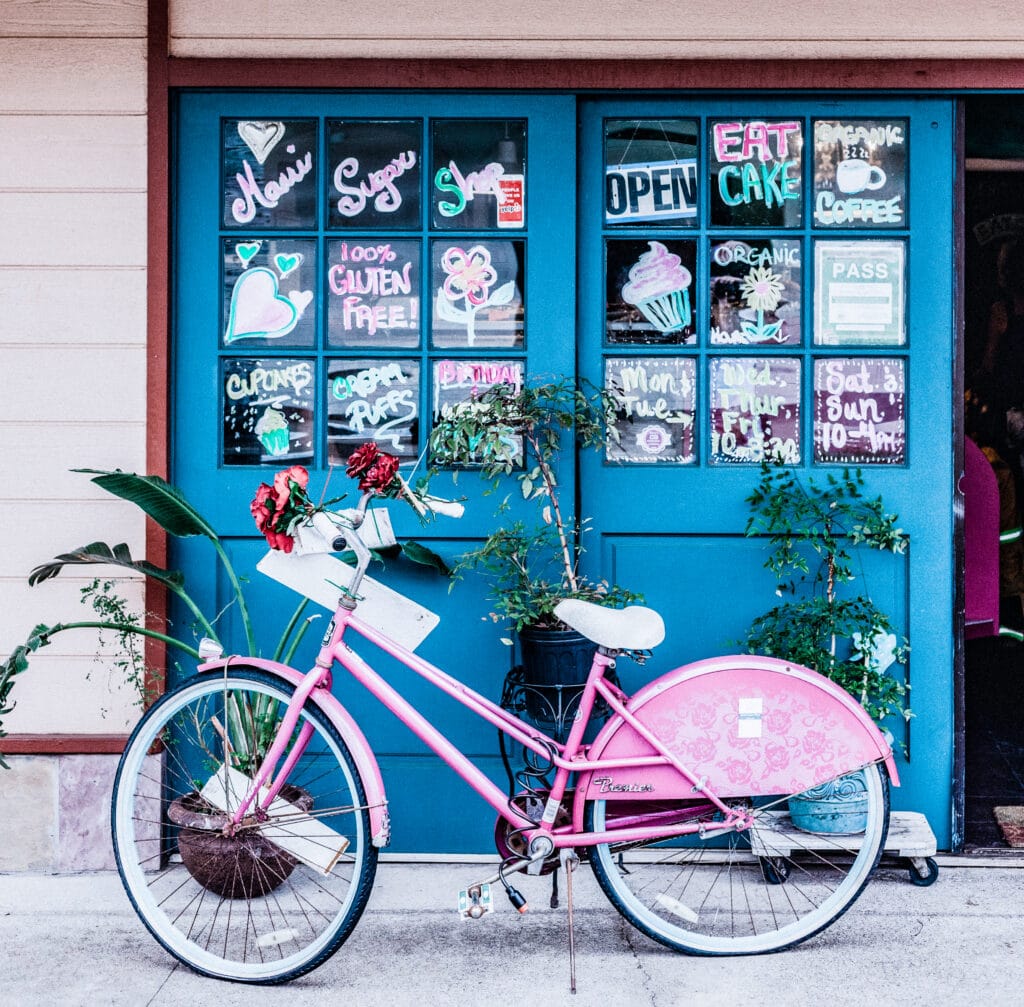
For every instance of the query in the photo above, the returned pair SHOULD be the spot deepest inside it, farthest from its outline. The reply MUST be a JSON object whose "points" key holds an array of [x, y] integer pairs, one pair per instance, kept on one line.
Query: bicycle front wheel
{"points": [[750, 892], [274, 898]]}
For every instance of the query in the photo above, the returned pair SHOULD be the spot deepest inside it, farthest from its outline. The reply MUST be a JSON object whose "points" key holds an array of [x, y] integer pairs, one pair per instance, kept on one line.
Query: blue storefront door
{"points": [[346, 266], [773, 276]]}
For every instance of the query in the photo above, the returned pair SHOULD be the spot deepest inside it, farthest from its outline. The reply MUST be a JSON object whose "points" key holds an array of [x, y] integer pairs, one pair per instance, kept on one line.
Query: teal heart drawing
{"points": [[245, 250], [287, 262]]}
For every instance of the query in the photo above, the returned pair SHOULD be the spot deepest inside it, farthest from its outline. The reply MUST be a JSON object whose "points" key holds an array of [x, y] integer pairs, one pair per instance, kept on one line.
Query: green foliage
{"points": [[815, 533], [520, 432]]}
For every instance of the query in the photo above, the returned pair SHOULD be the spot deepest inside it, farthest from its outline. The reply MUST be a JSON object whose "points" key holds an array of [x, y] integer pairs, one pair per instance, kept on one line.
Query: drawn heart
{"points": [[245, 250], [261, 137], [287, 263], [301, 299], [258, 310]]}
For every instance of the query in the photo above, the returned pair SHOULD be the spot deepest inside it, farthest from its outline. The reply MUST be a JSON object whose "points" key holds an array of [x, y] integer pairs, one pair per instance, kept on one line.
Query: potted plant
{"points": [[815, 533], [244, 863], [530, 566]]}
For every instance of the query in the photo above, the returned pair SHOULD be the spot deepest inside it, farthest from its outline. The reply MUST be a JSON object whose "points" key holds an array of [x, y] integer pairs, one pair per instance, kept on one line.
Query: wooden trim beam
{"points": [[598, 74], [63, 744]]}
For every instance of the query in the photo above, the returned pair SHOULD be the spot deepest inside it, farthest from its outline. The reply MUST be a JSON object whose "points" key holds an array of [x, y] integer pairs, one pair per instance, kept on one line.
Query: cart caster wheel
{"points": [[774, 869], [924, 880]]}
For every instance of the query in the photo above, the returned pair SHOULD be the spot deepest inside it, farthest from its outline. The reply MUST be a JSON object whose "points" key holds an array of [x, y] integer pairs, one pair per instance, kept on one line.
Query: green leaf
{"points": [[419, 553], [158, 498], [101, 553]]}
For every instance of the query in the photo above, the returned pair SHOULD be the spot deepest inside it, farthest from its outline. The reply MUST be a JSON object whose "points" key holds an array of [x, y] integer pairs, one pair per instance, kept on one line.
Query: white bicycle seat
{"points": [[632, 628]]}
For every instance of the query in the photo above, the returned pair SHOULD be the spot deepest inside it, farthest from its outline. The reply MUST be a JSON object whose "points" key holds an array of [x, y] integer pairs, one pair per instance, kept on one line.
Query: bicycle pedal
{"points": [[475, 902]]}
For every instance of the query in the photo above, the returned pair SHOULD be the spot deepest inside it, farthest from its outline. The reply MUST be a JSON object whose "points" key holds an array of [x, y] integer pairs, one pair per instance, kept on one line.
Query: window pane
{"points": [[859, 410], [860, 172], [756, 169], [478, 293], [372, 400], [269, 292], [654, 421], [269, 173], [649, 297], [267, 411], [373, 293], [478, 174], [374, 173], [651, 172], [755, 292], [755, 409]]}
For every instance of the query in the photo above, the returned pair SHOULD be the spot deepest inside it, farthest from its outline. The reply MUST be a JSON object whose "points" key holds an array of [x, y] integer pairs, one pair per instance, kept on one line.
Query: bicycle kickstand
{"points": [[569, 861]]}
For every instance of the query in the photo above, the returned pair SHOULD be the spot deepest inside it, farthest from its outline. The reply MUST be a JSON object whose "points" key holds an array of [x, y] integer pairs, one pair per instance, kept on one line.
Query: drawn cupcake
{"points": [[659, 286], [272, 430]]}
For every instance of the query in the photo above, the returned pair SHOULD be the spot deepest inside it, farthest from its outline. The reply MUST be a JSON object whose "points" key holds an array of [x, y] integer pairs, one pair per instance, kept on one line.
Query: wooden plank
{"points": [[73, 306], [63, 744], [68, 695], [909, 836], [70, 76], [592, 29], [97, 152], [43, 455], [84, 384], [59, 600], [50, 528], [74, 19], [73, 229]]}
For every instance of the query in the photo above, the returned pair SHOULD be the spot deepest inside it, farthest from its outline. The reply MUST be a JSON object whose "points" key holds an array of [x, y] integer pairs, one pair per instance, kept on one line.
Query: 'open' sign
{"points": [[657, 190]]}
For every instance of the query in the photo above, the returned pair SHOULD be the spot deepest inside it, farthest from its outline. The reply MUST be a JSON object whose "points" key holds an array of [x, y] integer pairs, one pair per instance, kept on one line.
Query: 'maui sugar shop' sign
{"points": [[656, 190]]}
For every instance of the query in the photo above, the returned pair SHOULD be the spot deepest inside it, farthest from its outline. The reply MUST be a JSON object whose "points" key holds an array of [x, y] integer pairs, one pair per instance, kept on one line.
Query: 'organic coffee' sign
{"points": [[755, 409], [859, 410], [655, 409], [860, 172]]}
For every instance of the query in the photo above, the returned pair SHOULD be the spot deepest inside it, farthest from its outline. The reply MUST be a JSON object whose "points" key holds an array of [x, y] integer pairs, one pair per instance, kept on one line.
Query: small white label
{"points": [[277, 937], [677, 908], [750, 711]]}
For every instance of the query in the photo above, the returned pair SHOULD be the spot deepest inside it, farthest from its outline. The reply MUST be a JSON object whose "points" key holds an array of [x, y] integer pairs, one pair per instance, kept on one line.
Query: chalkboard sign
{"points": [[267, 410], [650, 291], [651, 172], [860, 172], [859, 293], [373, 400], [269, 173], [755, 292], [756, 168], [457, 383], [374, 173], [373, 293], [656, 407], [268, 292], [478, 174], [478, 293], [859, 410], [755, 409]]}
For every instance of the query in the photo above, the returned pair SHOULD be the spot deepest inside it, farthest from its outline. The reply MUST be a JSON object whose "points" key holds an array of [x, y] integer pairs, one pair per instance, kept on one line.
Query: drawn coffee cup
{"points": [[856, 175]]}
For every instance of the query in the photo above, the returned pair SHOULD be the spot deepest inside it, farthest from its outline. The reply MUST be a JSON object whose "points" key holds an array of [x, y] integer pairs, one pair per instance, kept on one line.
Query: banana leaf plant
{"points": [[167, 506]]}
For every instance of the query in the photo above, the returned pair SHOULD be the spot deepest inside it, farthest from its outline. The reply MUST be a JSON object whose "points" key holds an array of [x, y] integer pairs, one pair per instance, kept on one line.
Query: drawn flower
{"points": [[470, 274], [762, 289]]}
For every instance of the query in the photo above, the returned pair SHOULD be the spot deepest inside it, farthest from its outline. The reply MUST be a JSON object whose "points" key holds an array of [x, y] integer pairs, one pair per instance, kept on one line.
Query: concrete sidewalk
{"points": [[75, 940]]}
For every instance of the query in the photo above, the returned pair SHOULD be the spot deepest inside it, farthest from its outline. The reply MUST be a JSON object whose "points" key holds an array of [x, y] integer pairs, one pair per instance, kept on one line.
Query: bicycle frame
{"points": [[568, 758]]}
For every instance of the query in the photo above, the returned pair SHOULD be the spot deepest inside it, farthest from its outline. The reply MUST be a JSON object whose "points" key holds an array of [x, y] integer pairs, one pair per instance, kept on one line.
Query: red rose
{"points": [[260, 509], [362, 459], [375, 469], [283, 485]]}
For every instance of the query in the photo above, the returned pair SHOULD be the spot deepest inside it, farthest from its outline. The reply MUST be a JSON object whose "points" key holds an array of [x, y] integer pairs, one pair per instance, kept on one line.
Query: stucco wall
{"points": [[669, 29], [72, 330]]}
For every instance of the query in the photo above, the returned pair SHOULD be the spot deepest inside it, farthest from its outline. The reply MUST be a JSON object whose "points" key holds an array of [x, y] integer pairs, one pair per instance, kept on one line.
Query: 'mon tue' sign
{"points": [[656, 190]]}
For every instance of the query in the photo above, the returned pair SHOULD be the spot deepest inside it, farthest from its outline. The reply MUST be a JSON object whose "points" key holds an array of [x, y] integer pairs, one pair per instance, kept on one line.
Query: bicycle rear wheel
{"points": [[749, 892], [240, 907]]}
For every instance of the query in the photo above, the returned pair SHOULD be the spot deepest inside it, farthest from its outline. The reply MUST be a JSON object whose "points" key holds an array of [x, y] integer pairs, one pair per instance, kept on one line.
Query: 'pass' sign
{"points": [[656, 190]]}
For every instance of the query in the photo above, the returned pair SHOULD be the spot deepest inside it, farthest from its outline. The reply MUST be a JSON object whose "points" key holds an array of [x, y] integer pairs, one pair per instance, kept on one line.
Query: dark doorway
{"points": [[994, 420]]}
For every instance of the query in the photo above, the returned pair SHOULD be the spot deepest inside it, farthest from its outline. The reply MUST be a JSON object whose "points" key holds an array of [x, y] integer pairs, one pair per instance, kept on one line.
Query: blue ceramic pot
{"points": [[836, 808]]}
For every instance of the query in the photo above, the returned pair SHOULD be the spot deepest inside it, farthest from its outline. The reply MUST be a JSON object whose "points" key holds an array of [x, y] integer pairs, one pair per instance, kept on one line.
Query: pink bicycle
{"points": [[249, 809]]}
